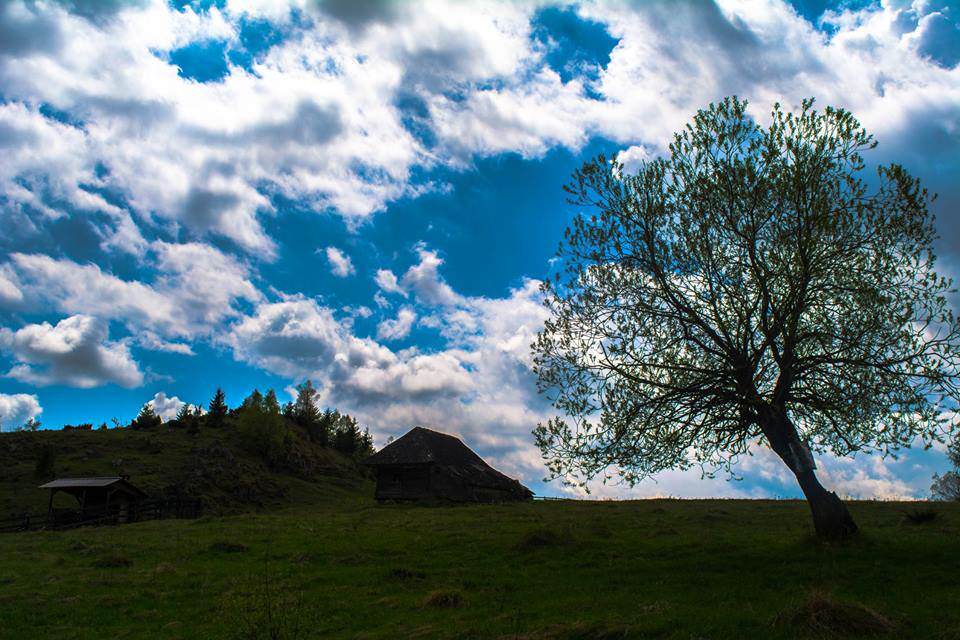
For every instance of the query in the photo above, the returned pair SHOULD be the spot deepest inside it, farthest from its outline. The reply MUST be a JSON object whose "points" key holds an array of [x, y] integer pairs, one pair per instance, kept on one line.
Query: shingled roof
{"points": [[79, 484], [423, 446]]}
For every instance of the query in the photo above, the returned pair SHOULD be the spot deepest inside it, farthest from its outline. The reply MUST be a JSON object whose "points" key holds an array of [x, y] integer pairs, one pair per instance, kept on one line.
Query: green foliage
{"points": [[185, 414], [146, 419], [270, 402], [305, 413], [947, 485], [751, 286], [347, 437], [217, 411], [263, 431], [31, 424]]}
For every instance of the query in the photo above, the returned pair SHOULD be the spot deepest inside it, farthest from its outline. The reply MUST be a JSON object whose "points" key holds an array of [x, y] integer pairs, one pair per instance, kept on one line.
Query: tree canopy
{"points": [[754, 286]]}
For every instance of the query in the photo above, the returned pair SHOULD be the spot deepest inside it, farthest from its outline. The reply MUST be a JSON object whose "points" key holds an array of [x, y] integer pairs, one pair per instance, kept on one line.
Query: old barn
{"points": [[426, 464], [111, 497]]}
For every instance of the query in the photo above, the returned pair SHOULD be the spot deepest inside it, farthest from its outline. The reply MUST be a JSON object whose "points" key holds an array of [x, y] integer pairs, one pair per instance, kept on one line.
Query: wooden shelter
{"points": [[111, 497], [426, 464]]}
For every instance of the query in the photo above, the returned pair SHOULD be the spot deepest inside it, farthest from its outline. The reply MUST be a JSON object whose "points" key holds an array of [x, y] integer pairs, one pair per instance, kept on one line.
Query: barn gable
{"points": [[426, 464]]}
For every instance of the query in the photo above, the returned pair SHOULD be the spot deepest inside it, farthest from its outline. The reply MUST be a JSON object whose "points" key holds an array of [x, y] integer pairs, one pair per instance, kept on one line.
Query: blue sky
{"points": [[247, 193]]}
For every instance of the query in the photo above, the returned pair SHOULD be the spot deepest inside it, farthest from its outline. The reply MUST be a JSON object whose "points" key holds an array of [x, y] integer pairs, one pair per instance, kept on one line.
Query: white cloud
{"points": [[424, 280], [166, 407], [196, 289], [17, 408], [399, 327], [316, 119], [10, 293], [75, 352], [387, 281], [340, 263]]}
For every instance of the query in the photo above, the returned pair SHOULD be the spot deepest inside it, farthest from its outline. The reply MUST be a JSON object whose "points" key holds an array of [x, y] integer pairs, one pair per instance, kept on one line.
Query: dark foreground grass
{"points": [[651, 569]]}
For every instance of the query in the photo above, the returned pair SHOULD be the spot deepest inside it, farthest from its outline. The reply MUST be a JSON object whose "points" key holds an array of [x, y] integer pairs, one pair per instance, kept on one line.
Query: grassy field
{"points": [[353, 569], [209, 465]]}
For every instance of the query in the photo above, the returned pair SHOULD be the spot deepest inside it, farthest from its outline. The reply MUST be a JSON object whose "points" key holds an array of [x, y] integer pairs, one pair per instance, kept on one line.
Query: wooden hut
{"points": [[110, 498], [426, 464]]}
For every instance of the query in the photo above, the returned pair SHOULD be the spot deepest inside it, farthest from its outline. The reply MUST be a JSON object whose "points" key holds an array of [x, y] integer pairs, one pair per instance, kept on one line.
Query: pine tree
{"points": [[218, 409], [146, 419], [271, 404], [307, 415], [185, 415]]}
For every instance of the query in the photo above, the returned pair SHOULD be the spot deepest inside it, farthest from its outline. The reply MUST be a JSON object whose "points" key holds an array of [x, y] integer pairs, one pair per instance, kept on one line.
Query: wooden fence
{"points": [[70, 519]]}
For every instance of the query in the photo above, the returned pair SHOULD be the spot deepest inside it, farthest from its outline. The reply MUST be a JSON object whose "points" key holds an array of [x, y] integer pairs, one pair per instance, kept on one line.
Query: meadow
{"points": [[350, 568]]}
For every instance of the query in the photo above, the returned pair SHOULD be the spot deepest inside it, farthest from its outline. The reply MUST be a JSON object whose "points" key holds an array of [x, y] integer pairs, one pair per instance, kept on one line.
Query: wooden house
{"points": [[109, 498], [427, 465]]}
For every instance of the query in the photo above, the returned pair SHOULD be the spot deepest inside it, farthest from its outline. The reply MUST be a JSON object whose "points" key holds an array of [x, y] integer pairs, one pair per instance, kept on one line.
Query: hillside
{"points": [[209, 464], [535, 571]]}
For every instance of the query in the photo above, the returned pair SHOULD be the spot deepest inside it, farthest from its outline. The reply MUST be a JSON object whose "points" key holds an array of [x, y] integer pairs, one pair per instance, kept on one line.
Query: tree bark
{"points": [[831, 520]]}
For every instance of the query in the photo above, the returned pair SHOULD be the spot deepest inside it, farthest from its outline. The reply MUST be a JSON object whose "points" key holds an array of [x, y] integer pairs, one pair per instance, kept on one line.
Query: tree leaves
{"points": [[752, 267]]}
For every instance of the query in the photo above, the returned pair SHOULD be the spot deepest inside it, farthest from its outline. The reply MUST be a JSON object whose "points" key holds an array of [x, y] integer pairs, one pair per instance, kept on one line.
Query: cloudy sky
{"points": [[248, 193]]}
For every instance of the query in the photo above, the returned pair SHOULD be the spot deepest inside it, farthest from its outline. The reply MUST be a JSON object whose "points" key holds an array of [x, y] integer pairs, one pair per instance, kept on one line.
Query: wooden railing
{"points": [[71, 519]]}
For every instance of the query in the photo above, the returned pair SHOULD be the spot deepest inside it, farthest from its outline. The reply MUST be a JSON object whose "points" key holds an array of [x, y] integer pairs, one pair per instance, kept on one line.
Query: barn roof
{"points": [[421, 446], [95, 482]]}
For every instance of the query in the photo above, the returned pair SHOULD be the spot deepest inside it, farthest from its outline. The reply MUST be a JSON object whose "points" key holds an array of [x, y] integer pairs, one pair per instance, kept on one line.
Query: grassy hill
{"points": [[542, 570], [210, 465]]}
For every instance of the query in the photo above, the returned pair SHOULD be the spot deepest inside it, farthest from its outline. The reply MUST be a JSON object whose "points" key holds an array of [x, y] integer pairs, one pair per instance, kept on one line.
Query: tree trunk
{"points": [[831, 520]]}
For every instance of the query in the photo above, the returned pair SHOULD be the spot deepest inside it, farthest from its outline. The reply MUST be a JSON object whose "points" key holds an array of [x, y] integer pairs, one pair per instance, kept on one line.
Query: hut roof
{"points": [[93, 483], [421, 446]]}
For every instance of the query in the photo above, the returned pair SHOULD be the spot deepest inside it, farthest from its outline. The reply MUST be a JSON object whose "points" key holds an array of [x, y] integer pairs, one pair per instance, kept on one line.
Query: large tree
{"points": [[754, 287]]}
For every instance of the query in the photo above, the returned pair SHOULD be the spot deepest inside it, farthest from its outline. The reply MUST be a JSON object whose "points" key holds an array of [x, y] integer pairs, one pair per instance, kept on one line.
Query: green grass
{"points": [[352, 569], [209, 465]]}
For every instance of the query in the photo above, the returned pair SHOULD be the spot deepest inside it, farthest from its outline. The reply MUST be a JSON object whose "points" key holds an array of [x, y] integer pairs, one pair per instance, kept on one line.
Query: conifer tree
{"points": [[146, 419], [218, 409], [307, 415], [271, 404], [185, 414]]}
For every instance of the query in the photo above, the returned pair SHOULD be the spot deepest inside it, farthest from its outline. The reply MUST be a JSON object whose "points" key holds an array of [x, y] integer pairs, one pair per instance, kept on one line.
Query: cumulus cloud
{"points": [[424, 281], [399, 327], [195, 289], [345, 113], [17, 408], [75, 352], [339, 114], [340, 263], [388, 283], [166, 407]]}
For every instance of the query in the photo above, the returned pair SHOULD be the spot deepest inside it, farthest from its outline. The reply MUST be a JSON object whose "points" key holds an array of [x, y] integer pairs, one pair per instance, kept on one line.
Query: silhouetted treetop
{"points": [[753, 286]]}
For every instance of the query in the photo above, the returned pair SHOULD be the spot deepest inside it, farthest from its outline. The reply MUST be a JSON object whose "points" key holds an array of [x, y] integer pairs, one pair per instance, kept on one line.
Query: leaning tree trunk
{"points": [[831, 520]]}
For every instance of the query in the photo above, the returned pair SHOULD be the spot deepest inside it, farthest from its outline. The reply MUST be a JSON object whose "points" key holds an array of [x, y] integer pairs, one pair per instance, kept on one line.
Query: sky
{"points": [[250, 193]]}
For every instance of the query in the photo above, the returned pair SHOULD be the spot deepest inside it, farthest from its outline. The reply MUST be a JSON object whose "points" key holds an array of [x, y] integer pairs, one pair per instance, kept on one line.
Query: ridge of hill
{"points": [[208, 464]]}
